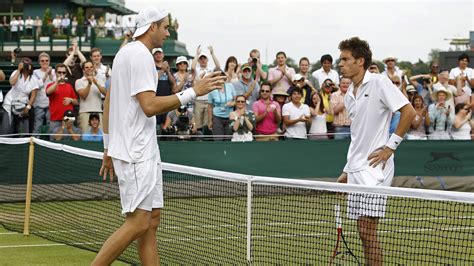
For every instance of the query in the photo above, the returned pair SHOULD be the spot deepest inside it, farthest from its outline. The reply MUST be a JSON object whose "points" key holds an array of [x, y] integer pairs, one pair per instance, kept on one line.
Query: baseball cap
{"points": [[181, 59], [69, 115], [147, 16], [411, 88], [244, 66], [297, 77], [156, 50]]}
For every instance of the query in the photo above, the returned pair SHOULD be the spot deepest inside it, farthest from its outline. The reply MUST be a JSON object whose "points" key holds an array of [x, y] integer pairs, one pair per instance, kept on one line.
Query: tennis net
{"points": [[214, 217]]}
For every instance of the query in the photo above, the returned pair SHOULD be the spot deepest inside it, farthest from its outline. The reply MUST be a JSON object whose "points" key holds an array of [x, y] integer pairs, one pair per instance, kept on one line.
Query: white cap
{"points": [[156, 50], [202, 54], [147, 16], [181, 59], [297, 77]]}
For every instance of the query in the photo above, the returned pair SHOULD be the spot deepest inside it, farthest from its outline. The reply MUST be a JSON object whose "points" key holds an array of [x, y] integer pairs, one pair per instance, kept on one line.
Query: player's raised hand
{"points": [[209, 82]]}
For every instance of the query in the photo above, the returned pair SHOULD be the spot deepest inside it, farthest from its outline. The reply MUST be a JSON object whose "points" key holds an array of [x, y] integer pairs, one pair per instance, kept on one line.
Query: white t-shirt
{"points": [[298, 130], [321, 76], [93, 101], [14, 24], [101, 73], [42, 100], [132, 133], [466, 72], [370, 112], [22, 89]]}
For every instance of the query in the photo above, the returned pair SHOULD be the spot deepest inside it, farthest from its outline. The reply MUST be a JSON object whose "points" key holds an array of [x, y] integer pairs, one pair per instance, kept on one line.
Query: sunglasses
{"points": [[61, 72], [373, 68], [396, 83], [44, 61], [264, 90], [390, 60], [240, 101]]}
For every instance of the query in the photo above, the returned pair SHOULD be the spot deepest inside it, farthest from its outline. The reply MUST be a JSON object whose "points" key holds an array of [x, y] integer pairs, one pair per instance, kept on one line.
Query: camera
{"points": [[254, 60], [427, 80], [26, 66]]}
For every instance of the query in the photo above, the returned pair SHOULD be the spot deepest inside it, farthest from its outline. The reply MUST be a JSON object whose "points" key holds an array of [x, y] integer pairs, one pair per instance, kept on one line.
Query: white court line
{"points": [[51, 245], [9, 233]]}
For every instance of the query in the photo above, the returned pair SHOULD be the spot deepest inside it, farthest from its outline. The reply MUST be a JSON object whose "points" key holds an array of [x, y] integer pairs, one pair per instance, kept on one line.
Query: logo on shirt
{"points": [[366, 95]]}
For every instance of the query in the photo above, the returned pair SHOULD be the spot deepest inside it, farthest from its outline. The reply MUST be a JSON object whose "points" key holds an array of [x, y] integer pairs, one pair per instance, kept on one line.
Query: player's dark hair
{"points": [[359, 49]]}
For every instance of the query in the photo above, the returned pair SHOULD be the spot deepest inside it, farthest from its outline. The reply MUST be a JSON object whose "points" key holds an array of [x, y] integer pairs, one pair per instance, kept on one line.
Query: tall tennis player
{"points": [[130, 145], [371, 100]]}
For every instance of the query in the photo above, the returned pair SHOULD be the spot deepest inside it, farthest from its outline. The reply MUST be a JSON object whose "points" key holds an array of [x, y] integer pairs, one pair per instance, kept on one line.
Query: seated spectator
{"points": [[418, 127], [221, 103], [342, 122], [94, 133], [310, 80], [61, 98], [326, 72], [296, 116], [318, 128], [247, 86], [259, 70], [180, 122], [267, 115], [281, 76], [462, 122], [44, 75], [67, 131], [232, 70], [90, 90], [439, 112], [22, 97], [242, 121], [300, 82]]}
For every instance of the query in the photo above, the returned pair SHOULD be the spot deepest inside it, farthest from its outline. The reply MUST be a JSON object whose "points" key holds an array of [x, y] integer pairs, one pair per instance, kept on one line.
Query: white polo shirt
{"points": [[370, 112], [321, 76], [466, 72], [132, 133], [298, 130]]}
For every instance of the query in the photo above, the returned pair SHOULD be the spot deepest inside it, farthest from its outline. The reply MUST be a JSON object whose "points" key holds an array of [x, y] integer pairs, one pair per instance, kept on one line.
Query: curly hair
{"points": [[359, 49]]}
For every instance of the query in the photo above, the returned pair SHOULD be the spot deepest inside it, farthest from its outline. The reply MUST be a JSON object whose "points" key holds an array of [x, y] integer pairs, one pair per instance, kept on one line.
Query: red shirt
{"points": [[56, 106]]}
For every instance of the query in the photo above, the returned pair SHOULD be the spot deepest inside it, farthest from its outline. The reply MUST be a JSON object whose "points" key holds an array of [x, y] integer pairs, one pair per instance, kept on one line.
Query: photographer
{"points": [[23, 95], [61, 98], [180, 122], [259, 70], [67, 131]]}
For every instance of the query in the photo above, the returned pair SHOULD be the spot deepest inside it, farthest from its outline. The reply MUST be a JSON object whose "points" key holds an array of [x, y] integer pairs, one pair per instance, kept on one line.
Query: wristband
{"points": [[394, 141], [186, 96], [105, 137]]}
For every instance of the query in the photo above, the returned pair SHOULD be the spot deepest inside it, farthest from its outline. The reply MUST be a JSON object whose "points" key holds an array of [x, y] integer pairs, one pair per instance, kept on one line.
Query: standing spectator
{"points": [[327, 88], [300, 82], [74, 69], [102, 72], [44, 75], [65, 23], [166, 83], [434, 70], [29, 23], [411, 92], [374, 68], [462, 122], [67, 131], [110, 27], [231, 69], [247, 86], [296, 116], [267, 115], [100, 29], [392, 70], [89, 88], [326, 71], [95, 132], [128, 25], [57, 24], [23, 95], [281, 76], [259, 70], [242, 121], [425, 87], [342, 122], [221, 103], [184, 79], [21, 26], [6, 28], [74, 24], [14, 29], [200, 104], [38, 23], [61, 98], [304, 71], [418, 127], [462, 75], [318, 128], [91, 23], [439, 112]]}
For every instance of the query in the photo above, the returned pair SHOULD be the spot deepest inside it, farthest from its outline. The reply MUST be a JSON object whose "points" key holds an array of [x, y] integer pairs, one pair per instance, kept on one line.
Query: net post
{"points": [[29, 185], [249, 220]]}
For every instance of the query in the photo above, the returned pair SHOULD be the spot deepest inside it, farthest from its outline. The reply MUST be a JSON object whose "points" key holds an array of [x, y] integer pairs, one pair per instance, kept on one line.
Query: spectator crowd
{"points": [[258, 102]]}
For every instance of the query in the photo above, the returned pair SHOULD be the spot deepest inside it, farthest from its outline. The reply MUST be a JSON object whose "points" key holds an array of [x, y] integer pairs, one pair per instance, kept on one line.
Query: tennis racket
{"points": [[342, 256]]}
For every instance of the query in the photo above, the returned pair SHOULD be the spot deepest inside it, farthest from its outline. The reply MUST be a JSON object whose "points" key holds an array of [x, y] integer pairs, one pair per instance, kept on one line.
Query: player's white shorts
{"points": [[366, 204], [140, 184]]}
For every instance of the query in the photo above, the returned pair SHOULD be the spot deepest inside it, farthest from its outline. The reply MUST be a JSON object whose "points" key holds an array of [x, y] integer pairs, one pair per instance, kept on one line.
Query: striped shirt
{"points": [[341, 118]]}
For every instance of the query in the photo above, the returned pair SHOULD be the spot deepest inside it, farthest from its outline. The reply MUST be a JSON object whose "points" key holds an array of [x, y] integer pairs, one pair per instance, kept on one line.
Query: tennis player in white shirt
{"points": [[130, 144], [370, 101]]}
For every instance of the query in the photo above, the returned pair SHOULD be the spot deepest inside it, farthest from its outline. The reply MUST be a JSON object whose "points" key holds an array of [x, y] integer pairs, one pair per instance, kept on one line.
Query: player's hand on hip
{"points": [[342, 178], [107, 167], [380, 156], [209, 82]]}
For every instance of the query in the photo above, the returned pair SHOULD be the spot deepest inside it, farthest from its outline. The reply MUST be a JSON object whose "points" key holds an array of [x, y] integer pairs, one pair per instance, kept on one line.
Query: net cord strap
{"points": [[272, 181]]}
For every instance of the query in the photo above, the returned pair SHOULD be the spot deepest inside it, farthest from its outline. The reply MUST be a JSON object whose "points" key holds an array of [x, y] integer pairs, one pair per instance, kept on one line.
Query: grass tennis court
{"points": [[285, 228]]}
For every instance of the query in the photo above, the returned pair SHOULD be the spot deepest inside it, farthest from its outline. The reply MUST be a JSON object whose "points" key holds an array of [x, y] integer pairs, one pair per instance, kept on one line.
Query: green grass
{"points": [[286, 229]]}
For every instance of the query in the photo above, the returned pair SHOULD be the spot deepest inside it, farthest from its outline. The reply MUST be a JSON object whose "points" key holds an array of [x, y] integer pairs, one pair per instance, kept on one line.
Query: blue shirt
{"points": [[89, 136], [219, 99], [394, 122]]}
